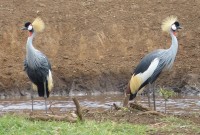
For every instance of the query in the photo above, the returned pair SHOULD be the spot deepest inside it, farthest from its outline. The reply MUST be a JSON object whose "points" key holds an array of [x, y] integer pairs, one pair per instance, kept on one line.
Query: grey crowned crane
{"points": [[151, 66], [36, 64]]}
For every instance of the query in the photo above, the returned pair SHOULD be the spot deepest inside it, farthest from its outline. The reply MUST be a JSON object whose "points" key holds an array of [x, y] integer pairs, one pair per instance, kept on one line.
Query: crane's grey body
{"points": [[37, 67], [36, 63], [151, 66], [166, 59]]}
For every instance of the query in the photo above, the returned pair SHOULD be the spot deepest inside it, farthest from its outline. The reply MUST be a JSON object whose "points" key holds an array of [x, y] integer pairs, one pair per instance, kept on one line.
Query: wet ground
{"points": [[178, 105]]}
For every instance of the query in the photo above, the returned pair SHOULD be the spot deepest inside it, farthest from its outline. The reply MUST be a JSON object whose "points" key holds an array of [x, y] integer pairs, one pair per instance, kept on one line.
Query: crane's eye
{"points": [[173, 27], [30, 27]]}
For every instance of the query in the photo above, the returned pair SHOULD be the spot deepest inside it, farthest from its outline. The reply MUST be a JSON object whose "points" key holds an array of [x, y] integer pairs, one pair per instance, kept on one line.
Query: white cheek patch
{"points": [[30, 27], [173, 27]]}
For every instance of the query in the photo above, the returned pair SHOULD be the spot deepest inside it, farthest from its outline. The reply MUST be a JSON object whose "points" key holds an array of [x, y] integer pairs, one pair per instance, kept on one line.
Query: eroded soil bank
{"points": [[94, 45]]}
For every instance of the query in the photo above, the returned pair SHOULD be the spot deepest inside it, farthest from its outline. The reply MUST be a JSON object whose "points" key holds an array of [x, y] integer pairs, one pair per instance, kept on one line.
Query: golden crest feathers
{"points": [[167, 23], [38, 25]]}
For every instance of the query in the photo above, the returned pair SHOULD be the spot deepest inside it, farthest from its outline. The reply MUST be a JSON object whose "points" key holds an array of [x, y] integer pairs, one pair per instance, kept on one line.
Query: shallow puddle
{"points": [[178, 105]]}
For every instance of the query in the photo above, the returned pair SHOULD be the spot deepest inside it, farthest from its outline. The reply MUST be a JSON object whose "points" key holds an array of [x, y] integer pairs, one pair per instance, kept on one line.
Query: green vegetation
{"points": [[20, 125], [17, 125], [166, 94], [179, 126]]}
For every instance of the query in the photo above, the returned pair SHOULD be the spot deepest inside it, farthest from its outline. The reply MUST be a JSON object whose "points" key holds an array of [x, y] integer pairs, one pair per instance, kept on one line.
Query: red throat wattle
{"points": [[30, 33], [175, 33]]}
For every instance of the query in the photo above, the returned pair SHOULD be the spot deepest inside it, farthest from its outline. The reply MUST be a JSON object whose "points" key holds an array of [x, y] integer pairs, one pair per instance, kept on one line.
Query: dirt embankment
{"points": [[94, 45]]}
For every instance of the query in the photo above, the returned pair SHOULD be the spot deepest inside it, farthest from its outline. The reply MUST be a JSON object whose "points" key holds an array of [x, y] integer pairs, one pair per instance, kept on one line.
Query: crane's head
{"points": [[36, 26], [28, 26], [175, 26], [128, 92], [170, 24]]}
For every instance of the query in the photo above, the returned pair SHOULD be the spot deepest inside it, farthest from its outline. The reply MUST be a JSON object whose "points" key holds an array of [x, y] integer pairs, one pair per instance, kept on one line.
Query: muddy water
{"points": [[178, 105]]}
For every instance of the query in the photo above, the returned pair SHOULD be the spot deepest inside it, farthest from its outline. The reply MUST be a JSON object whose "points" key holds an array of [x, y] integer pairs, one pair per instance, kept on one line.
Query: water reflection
{"points": [[178, 105]]}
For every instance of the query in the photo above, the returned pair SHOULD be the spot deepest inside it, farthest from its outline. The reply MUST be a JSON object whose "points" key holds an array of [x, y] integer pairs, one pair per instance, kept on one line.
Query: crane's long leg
{"points": [[148, 94], [45, 96], [154, 98]]}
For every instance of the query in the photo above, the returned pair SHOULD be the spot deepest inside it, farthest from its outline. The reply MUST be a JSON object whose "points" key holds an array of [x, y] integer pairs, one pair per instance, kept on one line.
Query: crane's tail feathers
{"points": [[167, 23], [40, 86], [50, 81], [38, 25], [41, 89]]}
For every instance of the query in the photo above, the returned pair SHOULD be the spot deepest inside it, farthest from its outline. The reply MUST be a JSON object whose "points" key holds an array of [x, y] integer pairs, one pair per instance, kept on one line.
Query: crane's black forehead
{"points": [[27, 24], [177, 23]]}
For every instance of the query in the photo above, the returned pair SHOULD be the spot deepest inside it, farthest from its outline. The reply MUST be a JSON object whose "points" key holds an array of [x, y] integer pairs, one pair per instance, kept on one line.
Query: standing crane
{"points": [[151, 66], [36, 64]]}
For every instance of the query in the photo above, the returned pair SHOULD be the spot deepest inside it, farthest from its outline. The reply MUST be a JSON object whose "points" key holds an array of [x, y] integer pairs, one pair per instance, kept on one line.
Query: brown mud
{"points": [[94, 45]]}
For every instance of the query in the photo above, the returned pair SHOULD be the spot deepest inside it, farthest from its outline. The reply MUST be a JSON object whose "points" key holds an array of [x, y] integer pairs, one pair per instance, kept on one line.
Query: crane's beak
{"points": [[179, 27], [24, 28]]}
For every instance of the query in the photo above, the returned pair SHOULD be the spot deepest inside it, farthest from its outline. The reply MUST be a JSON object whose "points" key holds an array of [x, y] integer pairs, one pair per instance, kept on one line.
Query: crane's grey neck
{"points": [[30, 51], [174, 46], [170, 54]]}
